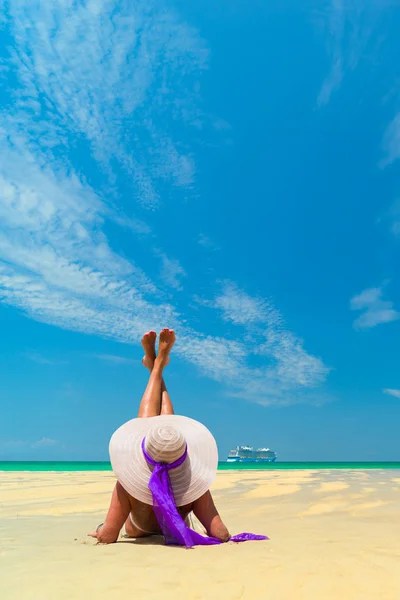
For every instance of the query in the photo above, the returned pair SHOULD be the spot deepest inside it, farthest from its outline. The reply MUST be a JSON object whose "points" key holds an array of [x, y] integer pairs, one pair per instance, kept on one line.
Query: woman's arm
{"points": [[205, 510], [118, 512]]}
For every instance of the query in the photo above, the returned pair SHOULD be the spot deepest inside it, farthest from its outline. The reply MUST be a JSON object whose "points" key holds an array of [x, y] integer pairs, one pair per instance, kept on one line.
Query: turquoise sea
{"points": [[222, 466]]}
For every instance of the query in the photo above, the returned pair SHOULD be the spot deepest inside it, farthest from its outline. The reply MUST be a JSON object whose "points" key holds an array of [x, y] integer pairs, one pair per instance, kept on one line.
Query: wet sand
{"points": [[334, 535]]}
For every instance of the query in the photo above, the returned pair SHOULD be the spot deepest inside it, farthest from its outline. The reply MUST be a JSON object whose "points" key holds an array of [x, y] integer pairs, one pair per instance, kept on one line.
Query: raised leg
{"points": [[166, 404], [149, 358], [151, 403]]}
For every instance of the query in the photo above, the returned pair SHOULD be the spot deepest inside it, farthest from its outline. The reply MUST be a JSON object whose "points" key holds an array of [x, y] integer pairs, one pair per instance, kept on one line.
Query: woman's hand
{"points": [[104, 535]]}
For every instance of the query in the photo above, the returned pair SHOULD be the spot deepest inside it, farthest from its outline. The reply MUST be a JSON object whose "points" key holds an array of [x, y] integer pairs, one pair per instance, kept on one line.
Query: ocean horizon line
{"points": [[98, 465]]}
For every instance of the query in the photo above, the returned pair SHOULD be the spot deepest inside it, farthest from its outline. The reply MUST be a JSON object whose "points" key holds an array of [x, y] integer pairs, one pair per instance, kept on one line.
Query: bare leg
{"points": [[149, 358], [150, 405], [166, 404]]}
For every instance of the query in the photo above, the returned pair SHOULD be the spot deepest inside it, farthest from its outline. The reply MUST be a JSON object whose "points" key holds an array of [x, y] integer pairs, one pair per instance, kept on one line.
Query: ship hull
{"points": [[250, 460]]}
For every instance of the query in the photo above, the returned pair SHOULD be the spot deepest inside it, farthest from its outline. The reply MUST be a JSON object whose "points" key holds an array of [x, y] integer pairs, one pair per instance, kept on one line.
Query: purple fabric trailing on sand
{"points": [[173, 527]]}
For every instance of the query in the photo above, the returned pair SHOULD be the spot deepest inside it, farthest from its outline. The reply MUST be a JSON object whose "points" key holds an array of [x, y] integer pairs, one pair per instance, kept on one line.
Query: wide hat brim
{"points": [[189, 481]]}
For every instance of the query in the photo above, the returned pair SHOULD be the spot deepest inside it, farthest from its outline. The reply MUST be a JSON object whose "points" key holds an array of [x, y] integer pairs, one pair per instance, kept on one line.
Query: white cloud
{"points": [[12, 445], [222, 359], [393, 216], [65, 272], [334, 30], [331, 83], [391, 142], [289, 373], [347, 28], [391, 153], [395, 393], [206, 242], [95, 73], [240, 308], [171, 271], [44, 443], [104, 70], [135, 225], [374, 310], [42, 360]]}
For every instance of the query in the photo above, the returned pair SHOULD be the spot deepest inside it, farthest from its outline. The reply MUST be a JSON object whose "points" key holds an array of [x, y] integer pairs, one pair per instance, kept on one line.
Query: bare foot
{"points": [[167, 340], [149, 347]]}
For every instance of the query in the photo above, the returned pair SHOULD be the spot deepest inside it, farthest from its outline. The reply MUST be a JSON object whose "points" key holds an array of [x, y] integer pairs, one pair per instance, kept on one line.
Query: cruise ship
{"points": [[247, 454]]}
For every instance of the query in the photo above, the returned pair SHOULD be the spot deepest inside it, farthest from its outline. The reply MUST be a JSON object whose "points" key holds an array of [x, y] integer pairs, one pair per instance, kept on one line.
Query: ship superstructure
{"points": [[247, 454]]}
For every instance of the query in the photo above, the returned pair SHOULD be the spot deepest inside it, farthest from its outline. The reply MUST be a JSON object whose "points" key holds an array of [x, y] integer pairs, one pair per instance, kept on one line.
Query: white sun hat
{"points": [[166, 437]]}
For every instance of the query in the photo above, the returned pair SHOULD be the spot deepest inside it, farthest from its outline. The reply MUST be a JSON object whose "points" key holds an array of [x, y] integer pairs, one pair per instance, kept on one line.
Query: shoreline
{"points": [[105, 466]]}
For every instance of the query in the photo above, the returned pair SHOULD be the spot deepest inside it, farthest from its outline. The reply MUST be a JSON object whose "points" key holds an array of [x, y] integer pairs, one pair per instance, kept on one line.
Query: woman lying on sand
{"points": [[165, 465]]}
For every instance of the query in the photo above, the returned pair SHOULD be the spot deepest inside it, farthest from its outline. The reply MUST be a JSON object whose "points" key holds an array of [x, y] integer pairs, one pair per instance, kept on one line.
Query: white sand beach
{"points": [[333, 535]]}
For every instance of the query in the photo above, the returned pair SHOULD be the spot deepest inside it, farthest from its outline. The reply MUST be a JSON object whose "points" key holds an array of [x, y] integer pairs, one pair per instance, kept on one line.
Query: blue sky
{"points": [[227, 170]]}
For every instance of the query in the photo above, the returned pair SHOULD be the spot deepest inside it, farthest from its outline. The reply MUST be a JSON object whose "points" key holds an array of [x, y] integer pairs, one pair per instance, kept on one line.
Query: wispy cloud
{"points": [[121, 53], [136, 225], [348, 29], [374, 309], [392, 218], [335, 29], [396, 228], [44, 442], [56, 261], [395, 217], [391, 153], [172, 271], [43, 360], [104, 70], [391, 142], [92, 76], [395, 393], [288, 373], [117, 360], [18, 444], [240, 308], [206, 242]]}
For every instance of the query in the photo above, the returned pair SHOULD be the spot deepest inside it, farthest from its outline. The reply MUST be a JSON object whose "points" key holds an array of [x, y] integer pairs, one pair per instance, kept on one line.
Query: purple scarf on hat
{"points": [[173, 527]]}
